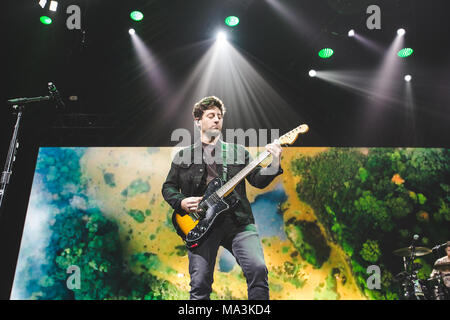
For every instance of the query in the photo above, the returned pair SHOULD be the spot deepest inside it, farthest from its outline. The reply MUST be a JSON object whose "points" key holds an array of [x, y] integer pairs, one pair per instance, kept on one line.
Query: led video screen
{"points": [[97, 226]]}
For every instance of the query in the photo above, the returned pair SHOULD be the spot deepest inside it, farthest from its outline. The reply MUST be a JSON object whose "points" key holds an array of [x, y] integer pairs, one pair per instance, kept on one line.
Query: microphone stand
{"points": [[18, 105]]}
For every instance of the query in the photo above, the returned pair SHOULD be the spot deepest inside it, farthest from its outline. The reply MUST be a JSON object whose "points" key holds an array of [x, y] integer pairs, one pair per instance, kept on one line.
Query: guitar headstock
{"points": [[291, 136]]}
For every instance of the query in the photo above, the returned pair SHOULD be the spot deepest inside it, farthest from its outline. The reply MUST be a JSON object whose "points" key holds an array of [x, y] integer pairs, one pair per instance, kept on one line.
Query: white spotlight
{"points": [[401, 32], [351, 33], [221, 36], [131, 31], [42, 3], [53, 5], [408, 78], [312, 73]]}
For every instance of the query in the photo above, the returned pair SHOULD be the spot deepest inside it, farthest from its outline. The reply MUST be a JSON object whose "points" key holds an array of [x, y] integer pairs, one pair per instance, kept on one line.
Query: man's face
{"points": [[211, 122], [448, 251]]}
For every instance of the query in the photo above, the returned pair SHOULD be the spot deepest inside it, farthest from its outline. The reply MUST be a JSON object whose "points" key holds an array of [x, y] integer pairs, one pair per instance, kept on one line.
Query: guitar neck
{"points": [[287, 138], [230, 184]]}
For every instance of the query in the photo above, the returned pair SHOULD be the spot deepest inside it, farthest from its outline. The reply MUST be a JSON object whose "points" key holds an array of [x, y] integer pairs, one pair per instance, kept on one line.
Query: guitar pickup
{"points": [[201, 212], [194, 216]]}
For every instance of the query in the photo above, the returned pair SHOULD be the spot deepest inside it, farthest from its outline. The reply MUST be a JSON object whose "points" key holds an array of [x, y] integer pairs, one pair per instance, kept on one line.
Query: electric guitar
{"points": [[218, 197]]}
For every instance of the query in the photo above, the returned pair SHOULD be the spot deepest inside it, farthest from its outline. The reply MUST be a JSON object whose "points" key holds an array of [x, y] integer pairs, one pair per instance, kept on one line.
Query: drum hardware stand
{"points": [[412, 287], [419, 289]]}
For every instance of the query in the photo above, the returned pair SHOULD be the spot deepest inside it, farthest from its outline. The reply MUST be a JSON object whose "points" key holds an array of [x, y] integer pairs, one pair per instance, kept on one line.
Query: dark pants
{"points": [[244, 243]]}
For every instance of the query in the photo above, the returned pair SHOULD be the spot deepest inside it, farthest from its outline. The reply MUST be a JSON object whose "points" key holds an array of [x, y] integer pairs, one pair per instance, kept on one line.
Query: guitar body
{"points": [[196, 227]]}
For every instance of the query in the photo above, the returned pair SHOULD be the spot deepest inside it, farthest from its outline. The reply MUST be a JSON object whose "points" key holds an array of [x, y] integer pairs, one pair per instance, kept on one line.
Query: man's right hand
{"points": [[190, 204]]}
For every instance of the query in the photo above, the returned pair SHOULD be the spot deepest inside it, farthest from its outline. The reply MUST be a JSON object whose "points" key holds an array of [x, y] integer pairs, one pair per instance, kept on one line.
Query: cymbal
{"points": [[442, 266], [418, 251]]}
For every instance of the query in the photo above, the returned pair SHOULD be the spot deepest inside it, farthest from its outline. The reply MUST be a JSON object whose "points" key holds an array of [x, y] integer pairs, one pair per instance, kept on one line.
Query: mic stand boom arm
{"points": [[21, 101]]}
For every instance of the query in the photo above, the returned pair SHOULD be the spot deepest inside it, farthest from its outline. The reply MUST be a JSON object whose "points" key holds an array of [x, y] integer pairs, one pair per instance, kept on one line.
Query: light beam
{"points": [[225, 72]]}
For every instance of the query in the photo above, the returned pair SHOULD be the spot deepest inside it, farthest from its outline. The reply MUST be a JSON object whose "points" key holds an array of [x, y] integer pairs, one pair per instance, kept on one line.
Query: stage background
{"points": [[333, 213]]}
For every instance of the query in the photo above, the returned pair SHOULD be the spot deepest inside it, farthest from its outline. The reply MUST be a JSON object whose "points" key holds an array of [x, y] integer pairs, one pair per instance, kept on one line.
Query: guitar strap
{"points": [[224, 162]]}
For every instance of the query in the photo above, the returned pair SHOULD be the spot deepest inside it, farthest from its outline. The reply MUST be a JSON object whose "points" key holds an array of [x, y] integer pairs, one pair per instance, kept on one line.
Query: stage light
{"points": [[326, 53], [221, 36], [351, 33], [232, 21], [136, 15], [401, 32], [312, 73], [405, 52], [42, 3], [45, 20], [131, 31], [53, 5], [408, 78]]}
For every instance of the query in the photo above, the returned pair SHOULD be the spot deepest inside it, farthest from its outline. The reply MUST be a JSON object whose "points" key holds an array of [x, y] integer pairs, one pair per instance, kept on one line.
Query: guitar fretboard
{"points": [[230, 184]]}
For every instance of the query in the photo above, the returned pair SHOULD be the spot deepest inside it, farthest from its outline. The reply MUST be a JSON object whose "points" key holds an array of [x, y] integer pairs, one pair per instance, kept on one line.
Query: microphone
{"points": [[55, 95]]}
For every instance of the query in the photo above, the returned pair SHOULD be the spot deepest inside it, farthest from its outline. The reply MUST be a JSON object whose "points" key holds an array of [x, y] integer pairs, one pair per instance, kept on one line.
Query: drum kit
{"points": [[419, 289]]}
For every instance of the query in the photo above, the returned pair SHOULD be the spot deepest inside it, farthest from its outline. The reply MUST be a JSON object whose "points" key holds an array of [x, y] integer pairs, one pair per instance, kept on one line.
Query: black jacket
{"points": [[187, 177]]}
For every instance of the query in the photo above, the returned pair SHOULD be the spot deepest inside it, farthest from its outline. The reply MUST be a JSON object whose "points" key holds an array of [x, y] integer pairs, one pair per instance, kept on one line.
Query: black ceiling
{"points": [[98, 64]]}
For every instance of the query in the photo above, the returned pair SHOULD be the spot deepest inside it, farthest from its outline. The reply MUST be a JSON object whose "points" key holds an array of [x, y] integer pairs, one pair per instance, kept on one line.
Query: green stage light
{"points": [[232, 21], [405, 52], [326, 53], [45, 20], [137, 15]]}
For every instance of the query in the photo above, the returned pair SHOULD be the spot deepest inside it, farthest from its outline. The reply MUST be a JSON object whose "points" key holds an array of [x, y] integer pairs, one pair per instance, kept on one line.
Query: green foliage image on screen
{"points": [[332, 214]]}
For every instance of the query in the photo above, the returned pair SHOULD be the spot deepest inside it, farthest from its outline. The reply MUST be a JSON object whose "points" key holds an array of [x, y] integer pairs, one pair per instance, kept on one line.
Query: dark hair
{"points": [[448, 244], [205, 104]]}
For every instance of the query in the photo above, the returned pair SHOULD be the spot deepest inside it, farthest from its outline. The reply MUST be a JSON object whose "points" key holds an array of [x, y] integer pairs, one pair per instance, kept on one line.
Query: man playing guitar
{"points": [[235, 229]]}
